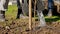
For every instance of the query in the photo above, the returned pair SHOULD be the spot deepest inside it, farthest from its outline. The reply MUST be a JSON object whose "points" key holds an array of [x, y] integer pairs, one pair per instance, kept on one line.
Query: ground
{"points": [[20, 26]]}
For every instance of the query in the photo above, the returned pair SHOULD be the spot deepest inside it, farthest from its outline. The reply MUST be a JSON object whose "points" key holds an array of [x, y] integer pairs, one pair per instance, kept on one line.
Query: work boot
{"points": [[50, 13], [22, 16]]}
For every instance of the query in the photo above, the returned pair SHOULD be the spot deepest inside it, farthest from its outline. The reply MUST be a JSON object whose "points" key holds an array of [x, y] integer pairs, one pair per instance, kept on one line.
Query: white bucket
{"points": [[10, 3]]}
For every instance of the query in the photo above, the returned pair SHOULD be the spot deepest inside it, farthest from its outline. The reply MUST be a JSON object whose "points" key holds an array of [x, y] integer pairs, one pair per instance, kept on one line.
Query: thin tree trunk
{"points": [[30, 14], [34, 11]]}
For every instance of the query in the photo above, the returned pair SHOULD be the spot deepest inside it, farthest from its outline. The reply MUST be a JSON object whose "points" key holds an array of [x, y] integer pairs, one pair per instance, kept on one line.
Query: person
{"points": [[50, 7], [3, 8]]}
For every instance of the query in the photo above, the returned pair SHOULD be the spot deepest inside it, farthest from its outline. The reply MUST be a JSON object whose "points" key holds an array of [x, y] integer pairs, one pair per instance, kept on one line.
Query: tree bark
{"points": [[30, 14]]}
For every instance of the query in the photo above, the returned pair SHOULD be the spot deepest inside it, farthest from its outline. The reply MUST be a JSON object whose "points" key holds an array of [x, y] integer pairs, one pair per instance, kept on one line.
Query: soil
{"points": [[21, 27]]}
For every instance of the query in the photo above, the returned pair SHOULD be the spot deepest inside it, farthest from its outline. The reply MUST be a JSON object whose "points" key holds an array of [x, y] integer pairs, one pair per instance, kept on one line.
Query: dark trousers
{"points": [[50, 5], [19, 12], [3, 12]]}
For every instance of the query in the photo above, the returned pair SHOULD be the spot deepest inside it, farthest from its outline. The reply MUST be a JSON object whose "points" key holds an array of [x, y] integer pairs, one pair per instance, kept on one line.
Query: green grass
{"points": [[52, 19], [11, 12]]}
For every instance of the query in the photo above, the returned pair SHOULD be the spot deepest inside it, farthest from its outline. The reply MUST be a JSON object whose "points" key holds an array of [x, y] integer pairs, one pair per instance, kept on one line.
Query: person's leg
{"points": [[42, 19], [40, 8], [19, 12], [2, 16], [3, 12], [50, 7], [49, 12], [19, 9]]}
